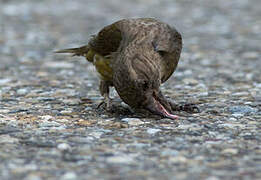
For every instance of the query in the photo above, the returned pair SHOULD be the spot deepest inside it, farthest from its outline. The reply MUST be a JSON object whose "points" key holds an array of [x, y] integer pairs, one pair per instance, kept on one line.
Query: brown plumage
{"points": [[135, 56]]}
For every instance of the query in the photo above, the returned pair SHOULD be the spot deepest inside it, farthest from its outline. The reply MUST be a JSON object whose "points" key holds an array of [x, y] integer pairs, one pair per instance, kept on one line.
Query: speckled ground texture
{"points": [[50, 127]]}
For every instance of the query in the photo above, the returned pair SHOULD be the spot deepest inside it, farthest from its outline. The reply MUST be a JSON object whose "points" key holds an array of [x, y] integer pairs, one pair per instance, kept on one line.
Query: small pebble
{"points": [[133, 121], [4, 81], [230, 151], [153, 131], [124, 159], [242, 109], [69, 176], [64, 147], [22, 91], [178, 159]]}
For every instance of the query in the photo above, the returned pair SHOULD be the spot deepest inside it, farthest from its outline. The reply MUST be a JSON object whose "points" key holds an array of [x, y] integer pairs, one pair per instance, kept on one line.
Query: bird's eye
{"points": [[145, 86], [162, 53], [156, 48]]}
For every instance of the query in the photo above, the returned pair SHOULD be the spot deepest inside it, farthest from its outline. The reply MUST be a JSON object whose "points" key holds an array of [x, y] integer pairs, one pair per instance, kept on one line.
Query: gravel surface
{"points": [[50, 127]]}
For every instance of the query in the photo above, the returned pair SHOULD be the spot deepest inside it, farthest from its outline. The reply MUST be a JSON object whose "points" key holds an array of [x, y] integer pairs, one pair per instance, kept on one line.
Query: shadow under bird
{"points": [[135, 56]]}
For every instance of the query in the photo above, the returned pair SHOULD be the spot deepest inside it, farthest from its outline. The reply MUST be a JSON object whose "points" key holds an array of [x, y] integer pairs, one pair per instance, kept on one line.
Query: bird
{"points": [[135, 56]]}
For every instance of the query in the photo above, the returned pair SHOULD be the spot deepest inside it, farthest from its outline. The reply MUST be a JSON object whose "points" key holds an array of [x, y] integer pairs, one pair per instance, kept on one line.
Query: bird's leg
{"points": [[105, 91]]}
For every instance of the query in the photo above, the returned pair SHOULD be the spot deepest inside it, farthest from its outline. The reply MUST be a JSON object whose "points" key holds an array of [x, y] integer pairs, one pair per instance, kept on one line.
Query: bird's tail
{"points": [[85, 51], [80, 51]]}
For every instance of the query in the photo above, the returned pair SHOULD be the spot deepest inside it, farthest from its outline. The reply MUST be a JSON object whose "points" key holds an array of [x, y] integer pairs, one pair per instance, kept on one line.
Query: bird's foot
{"points": [[187, 107], [106, 103]]}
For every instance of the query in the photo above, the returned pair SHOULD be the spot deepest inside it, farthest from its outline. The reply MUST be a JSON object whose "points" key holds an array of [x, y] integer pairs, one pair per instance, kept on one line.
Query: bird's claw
{"points": [[106, 103], [188, 107], [100, 104]]}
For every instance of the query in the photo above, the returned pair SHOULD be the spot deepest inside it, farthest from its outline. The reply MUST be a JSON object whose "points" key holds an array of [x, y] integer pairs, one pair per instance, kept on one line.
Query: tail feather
{"points": [[80, 51]]}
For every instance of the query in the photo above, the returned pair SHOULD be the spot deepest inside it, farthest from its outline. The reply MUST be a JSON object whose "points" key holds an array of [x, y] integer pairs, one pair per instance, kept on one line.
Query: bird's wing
{"points": [[107, 40], [105, 43]]}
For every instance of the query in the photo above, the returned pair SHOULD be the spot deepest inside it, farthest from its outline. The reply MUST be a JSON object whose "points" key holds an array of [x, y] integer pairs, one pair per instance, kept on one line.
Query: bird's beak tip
{"points": [[159, 109]]}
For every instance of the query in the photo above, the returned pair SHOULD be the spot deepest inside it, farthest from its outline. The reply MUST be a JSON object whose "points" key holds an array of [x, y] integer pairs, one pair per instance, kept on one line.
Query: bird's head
{"points": [[137, 82]]}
